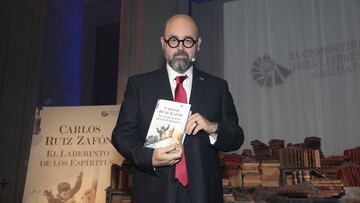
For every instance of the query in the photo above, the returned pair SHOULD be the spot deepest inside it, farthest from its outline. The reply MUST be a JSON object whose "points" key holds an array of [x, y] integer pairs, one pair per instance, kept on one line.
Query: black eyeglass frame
{"points": [[194, 41]]}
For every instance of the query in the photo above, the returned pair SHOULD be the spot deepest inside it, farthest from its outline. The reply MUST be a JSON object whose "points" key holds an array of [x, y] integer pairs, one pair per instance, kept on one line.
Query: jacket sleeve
{"points": [[126, 137], [230, 134]]}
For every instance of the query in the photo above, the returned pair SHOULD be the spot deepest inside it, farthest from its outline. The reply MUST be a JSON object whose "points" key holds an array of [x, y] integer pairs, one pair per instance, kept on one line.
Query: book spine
{"points": [[317, 158], [282, 157]]}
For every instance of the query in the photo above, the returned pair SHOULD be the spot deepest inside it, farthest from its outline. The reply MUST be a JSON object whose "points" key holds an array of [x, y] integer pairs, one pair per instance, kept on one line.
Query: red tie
{"points": [[180, 96]]}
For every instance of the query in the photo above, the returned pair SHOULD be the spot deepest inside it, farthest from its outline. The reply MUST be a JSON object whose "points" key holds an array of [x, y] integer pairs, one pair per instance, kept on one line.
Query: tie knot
{"points": [[180, 79]]}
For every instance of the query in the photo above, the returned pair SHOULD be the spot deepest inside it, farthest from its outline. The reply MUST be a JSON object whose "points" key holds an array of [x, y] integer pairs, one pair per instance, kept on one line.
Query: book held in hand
{"points": [[168, 124]]}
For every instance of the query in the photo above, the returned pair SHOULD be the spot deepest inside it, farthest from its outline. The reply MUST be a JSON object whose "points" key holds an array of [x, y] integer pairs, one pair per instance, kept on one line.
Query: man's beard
{"points": [[180, 65]]}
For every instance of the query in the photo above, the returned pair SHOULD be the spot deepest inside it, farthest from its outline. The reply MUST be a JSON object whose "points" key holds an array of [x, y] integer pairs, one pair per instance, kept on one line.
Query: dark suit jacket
{"points": [[211, 98]]}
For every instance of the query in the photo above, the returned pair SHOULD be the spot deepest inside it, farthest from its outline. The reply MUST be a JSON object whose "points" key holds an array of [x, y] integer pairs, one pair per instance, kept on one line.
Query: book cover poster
{"points": [[167, 124], [71, 155]]}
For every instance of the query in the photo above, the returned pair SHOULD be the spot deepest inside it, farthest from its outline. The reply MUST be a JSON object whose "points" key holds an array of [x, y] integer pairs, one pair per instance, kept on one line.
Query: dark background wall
{"points": [[74, 32], [48, 57], [21, 26], [66, 52], [106, 65]]}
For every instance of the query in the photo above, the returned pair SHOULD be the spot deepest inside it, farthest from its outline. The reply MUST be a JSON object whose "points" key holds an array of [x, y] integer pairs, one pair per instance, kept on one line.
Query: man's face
{"points": [[180, 58]]}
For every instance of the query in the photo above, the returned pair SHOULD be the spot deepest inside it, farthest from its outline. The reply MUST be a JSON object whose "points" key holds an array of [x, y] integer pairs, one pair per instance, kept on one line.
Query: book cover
{"points": [[71, 155], [167, 124]]}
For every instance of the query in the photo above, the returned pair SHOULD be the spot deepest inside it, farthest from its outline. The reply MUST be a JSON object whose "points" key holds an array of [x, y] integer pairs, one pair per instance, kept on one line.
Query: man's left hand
{"points": [[197, 122]]}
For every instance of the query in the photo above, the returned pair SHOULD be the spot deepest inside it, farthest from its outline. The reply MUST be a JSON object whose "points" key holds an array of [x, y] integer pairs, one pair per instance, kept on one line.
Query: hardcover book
{"points": [[168, 124]]}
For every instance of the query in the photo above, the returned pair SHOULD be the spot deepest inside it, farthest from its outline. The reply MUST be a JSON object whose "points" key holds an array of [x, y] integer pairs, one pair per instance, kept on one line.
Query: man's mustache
{"points": [[181, 53]]}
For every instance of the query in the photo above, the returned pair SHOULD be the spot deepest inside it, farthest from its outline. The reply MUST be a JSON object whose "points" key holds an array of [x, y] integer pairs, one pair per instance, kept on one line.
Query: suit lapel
{"points": [[163, 86]]}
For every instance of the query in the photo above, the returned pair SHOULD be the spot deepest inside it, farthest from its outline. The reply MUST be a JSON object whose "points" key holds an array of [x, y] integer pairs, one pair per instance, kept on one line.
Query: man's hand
{"points": [[48, 193], [197, 122], [164, 157]]}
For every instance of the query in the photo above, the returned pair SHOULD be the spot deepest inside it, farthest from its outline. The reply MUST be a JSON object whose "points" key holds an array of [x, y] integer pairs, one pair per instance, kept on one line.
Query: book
{"points": [[270, 174], [168, 124]]}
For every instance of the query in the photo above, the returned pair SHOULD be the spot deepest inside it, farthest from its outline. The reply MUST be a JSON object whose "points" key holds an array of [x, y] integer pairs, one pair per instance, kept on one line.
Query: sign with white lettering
{"points": [[71, 154]]}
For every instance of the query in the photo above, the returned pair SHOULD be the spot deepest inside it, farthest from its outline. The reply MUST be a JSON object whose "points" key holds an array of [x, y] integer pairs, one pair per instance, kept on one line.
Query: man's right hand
{"points": [[165, 156]]}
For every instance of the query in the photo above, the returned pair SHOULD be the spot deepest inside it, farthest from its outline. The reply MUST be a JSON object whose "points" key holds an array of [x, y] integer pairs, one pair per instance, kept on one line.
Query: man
{"points": [[66, 193], [195, 175]]}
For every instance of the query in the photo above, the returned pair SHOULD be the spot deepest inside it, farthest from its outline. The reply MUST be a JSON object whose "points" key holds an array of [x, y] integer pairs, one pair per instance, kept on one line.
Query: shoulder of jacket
{"points": [[142, 76], [210, 77]]}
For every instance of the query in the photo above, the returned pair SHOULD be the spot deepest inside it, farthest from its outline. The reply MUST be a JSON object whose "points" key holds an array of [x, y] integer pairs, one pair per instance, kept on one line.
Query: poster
{"points": [[71, 155]]}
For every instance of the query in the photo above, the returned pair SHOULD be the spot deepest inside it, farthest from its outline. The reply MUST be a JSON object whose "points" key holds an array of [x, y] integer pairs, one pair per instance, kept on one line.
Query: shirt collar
{"points": [[173, 74]]}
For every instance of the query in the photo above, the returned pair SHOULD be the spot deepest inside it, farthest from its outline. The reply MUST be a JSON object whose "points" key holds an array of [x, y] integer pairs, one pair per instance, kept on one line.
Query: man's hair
{"points": [[63, 187]]}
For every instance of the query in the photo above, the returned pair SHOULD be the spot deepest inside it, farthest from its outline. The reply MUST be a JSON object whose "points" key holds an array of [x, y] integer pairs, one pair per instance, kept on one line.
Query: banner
{"points": [[293, 68], [71, 155]]}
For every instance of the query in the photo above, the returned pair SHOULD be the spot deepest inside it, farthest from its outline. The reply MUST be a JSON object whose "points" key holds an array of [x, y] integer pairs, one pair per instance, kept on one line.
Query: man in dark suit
{"points": [[195, 175]]}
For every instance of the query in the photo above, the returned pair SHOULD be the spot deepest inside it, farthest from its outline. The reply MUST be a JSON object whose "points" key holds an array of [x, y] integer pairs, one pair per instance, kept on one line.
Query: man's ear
{"points": [[198, 43], [162, 41]]}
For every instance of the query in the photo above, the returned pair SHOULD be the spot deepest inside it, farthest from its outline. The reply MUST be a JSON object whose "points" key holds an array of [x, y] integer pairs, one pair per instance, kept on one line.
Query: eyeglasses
{"points": [[174, 42]]}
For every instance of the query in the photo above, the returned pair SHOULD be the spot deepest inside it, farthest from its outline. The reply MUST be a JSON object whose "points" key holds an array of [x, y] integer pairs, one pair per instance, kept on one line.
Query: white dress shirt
{"points": [[187, 84]]}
